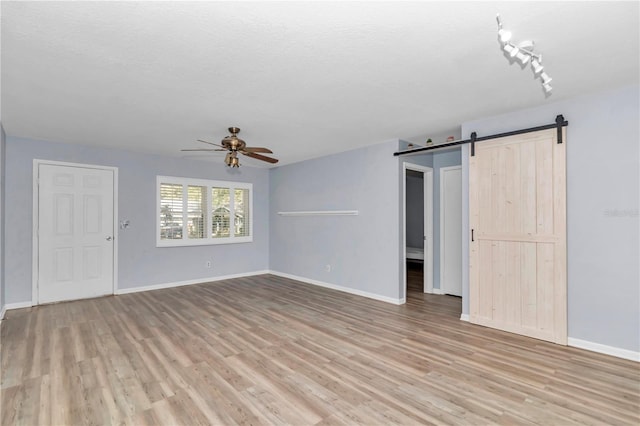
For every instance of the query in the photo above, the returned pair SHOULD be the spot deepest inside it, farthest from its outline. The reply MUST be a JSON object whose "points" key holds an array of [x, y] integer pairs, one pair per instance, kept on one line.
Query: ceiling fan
{"points": [[234, 144]]}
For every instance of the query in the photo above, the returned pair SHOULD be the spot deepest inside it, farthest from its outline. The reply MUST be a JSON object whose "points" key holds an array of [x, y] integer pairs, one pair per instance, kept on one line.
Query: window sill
{"points": [[203, 242]]}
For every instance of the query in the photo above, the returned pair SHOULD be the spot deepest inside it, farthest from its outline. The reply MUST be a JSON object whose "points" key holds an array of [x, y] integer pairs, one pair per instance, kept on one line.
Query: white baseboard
{"points": [[604, 349], [340, 288], [18, 305], [464, 317], [188, 282]]}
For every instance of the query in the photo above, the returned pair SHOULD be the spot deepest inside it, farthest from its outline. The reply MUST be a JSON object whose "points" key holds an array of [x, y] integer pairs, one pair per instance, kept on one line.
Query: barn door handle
{"points": [[472, 235]]}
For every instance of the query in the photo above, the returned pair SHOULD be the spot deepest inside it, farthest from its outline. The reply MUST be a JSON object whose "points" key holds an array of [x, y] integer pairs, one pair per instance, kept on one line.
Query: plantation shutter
{"points": [[170, 211], [197, 211], [241, 212]]}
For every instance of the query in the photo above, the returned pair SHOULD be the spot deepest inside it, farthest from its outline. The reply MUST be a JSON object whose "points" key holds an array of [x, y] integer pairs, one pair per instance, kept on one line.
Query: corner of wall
{"points": [[2, 215], [465, 230], [358, 259]]}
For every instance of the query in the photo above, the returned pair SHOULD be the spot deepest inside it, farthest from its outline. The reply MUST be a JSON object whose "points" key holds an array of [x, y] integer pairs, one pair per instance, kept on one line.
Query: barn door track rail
{"points": [[559, 124]]}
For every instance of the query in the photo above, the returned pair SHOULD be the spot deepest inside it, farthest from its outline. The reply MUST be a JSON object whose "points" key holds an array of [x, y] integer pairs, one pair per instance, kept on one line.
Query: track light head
{"points": [[536, 66], [547, 88], [511, 50], [545, 78], [523, 57]]}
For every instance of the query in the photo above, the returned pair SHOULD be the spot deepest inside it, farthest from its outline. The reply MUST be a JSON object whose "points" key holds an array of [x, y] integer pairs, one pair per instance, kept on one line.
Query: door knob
{"points": [[109, 238]]}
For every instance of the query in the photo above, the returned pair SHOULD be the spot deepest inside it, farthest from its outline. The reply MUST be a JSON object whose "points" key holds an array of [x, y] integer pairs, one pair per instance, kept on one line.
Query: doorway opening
{"points": [[417, 228], [440, 273]]}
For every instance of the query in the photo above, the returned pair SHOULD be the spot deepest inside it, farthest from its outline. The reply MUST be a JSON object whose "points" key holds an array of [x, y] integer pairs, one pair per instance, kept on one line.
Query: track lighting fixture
{"points": [[524, 53]]}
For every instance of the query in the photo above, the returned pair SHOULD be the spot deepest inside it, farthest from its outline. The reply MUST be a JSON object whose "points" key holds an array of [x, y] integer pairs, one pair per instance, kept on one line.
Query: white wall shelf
{"points": [[320, 213]]}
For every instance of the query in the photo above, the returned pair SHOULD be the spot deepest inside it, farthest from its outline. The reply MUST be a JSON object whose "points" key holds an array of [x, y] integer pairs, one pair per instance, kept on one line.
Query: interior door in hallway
{"points": [[451, 230], [75, 232], [517, 207]]}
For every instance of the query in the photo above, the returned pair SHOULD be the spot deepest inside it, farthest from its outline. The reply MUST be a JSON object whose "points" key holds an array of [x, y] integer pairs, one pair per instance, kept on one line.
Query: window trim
{"points": [[209, 184]]}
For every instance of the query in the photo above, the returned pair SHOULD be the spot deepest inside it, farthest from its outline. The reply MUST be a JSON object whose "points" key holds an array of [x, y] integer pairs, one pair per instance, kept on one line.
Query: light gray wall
{"points": [[362, 250], [419, 159], [2, 214], [603, 226], [140, 262], [415, 209]]}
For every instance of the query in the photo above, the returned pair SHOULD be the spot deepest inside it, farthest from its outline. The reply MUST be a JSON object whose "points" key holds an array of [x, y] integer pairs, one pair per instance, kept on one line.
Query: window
{"points": [[199, 212]]}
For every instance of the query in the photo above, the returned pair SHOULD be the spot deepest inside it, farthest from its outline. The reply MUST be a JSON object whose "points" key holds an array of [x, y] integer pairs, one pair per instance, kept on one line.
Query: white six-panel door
{"points": [[517, 207], [75, 233]]}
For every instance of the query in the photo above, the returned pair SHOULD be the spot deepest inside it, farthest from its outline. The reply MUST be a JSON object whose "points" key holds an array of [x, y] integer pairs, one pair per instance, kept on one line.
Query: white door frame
{"points": [[36, 218], [443, 290], [428, 226]]}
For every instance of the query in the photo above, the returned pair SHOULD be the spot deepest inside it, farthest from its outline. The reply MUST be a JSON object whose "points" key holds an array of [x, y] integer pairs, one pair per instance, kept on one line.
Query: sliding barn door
{"points": [[517, 207]]}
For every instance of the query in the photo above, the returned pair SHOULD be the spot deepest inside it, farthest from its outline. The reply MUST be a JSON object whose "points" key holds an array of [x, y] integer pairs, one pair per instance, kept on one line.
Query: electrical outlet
{"points": [[328, 268], [208, 264]]}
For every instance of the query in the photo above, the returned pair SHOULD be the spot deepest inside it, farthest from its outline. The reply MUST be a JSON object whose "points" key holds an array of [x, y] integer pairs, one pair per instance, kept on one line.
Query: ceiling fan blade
{"points": [[257, 149], [203, 149], [210, 143], [260, 157]]}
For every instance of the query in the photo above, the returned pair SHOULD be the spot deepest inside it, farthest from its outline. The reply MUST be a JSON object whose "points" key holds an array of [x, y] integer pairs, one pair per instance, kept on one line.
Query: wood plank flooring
{"points": [[268, 350]]}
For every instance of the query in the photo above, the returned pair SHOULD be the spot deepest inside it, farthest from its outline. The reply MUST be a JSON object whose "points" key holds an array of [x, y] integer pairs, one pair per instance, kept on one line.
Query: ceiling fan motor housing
{"points": [[233, 142]]}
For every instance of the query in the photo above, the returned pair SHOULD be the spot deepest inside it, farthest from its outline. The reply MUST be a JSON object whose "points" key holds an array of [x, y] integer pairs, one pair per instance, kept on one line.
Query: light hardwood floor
{"points": [[268, 350]]}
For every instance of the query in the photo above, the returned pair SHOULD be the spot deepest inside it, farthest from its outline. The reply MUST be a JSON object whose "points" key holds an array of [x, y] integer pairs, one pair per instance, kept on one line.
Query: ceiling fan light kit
{"points": [[234, 145], [524, 53], [232, 160]]}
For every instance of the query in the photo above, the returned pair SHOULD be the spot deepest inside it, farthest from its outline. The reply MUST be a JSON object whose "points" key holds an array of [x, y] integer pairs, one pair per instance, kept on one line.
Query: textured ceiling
{"points": [[303, 78]]}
